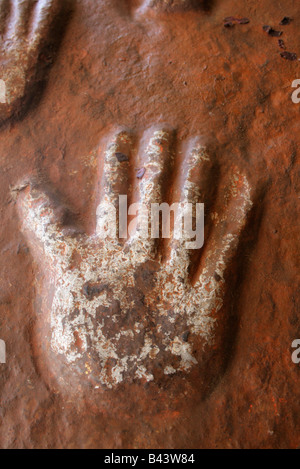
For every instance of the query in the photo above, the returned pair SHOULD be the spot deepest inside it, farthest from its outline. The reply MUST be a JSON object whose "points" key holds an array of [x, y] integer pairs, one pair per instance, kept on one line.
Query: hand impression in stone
{"points": [[124, 310], [24, 28]]}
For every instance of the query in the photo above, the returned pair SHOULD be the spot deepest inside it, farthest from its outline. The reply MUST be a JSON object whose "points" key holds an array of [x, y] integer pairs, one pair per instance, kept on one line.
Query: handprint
{"points": [[25, 29], [139, 308]]}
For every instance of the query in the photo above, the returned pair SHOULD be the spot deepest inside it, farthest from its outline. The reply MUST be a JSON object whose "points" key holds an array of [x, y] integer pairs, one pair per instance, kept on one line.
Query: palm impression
{"points": [[127, 310]]}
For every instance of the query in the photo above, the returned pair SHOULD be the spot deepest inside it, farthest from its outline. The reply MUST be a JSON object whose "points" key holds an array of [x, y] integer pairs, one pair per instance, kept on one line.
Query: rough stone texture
{"points": [[231, 87]]}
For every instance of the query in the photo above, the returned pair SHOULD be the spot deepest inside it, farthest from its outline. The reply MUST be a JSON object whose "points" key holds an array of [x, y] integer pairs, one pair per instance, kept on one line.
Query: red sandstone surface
{"points": [[121, 65]]}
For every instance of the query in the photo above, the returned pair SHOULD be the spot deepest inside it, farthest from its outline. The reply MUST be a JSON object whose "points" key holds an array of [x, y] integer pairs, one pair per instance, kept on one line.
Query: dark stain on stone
{"points": [[91, 290], [289, 56], [121, 157], [286, 20]]}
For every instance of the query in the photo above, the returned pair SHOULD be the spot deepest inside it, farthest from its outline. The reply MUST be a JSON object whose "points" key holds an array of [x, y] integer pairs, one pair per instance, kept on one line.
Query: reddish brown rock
{"points": [[189, 73]]}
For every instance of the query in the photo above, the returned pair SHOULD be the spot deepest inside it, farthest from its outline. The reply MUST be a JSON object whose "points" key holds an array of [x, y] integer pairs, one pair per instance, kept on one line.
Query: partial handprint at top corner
{"points": [[164, 6], [26, 30], [173, 5]]}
